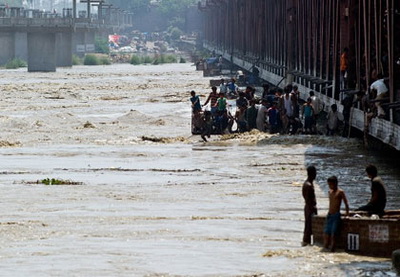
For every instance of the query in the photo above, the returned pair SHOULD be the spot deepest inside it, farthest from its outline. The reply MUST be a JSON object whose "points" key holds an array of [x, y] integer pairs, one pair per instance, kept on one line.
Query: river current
{"points": [[151, 199]]}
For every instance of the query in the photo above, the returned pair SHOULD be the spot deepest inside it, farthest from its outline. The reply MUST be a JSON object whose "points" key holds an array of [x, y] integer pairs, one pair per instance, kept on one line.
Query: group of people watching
{"points": [[375, 206], [277, 111], [376, 92]]}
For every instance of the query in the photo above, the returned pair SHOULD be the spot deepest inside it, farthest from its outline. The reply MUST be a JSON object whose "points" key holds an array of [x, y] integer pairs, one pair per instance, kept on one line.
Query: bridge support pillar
{"points": [[83, 42], [21, 46], [41, 52], [78, 44], [64, 49], [90, 41], [7, 46]]}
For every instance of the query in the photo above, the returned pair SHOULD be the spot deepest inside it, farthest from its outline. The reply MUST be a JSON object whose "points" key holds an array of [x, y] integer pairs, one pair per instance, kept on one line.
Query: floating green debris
{"points": [[53, 181]]}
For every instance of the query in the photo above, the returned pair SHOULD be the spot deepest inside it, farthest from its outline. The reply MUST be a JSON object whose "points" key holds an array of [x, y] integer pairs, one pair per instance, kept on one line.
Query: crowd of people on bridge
{"points": [[275, 111]]}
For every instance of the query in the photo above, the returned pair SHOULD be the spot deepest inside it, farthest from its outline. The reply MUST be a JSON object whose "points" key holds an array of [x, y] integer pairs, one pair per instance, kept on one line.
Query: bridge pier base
{"points": [[64, 49], [7, 46], [41, 52]]}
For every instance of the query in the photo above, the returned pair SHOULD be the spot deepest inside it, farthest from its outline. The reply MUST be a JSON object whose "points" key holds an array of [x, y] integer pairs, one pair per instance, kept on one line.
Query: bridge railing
{"points": [[35, 22]]}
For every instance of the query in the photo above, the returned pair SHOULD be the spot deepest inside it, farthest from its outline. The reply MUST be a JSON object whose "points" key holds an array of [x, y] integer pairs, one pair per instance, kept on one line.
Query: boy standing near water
{"points": [[336, 195], [309, 116], [221, 103], [196, 106]]}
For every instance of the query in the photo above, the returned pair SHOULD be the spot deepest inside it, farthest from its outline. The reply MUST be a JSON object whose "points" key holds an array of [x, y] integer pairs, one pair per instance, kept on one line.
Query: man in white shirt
{"points": [[318, 107], [317, 104], [381, 92], [262, 116]]}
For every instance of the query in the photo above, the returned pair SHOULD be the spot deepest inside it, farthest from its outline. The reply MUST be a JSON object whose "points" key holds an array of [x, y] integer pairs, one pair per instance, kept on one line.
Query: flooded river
{"points": [[152, 199]]}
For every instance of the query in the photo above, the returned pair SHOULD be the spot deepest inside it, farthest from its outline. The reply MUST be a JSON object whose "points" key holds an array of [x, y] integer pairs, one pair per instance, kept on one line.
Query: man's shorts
{"points": [[332, 224]]}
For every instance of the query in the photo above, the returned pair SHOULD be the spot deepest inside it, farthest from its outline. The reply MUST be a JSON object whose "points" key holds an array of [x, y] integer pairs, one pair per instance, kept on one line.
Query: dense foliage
{"points": [[157, 59], [101, 45], [130, 5], [172, 10], [91, 59]]}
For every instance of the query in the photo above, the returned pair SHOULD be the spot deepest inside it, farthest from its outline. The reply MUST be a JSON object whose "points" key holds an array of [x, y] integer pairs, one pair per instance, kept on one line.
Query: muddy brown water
{"points": [[155, 200]]}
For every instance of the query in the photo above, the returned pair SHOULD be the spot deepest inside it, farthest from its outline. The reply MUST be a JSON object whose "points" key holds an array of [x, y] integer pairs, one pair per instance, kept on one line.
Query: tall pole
{"points": [[74, 8], [88, 9], [100, 10], [390, 33], [290, 21]]}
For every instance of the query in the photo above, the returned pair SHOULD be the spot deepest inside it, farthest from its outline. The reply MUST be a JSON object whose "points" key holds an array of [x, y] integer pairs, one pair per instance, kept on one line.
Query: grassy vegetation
{"points": [[92, 59], [147, 59], [53, 181], [158, 59], [76, 60], [169, 59], [200, 54], [135, 60], [15, 63], [104, 60]]}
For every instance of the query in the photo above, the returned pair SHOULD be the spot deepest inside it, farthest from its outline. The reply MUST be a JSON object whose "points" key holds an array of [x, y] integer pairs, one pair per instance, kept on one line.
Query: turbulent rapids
{"points": [[154, 199]]}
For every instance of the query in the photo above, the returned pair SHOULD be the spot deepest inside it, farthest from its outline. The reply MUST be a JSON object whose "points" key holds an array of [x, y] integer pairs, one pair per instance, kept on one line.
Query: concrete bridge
{"points": [[47, 40]]}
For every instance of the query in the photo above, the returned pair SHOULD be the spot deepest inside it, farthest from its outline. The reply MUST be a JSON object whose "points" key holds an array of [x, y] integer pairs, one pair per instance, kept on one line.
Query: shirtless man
{"points": [[310, 207], [336, 195]]}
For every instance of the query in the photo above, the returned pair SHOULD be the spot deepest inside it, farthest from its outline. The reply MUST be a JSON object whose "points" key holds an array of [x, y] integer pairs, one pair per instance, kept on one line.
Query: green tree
{"points": [[130, 5], [101, 45], [11, 3], [174, 7], [175, 10], [175, 33], [172, 10]]}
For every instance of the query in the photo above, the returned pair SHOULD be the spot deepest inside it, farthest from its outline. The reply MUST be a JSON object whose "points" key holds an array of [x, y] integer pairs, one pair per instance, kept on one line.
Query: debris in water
{"points": [[54, 181], [4, 143], [164, 139], [88, 125]]}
